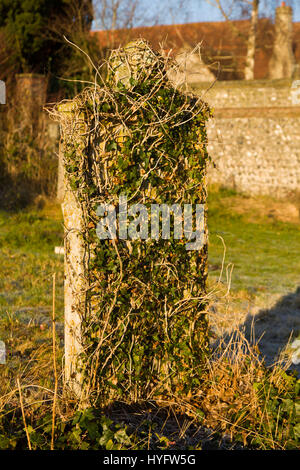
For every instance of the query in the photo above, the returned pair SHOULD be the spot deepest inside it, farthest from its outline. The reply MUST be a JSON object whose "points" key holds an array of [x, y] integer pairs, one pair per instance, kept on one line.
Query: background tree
{"points": [[113, 18], [250, 60], [116, 18], [25, 25], [247, 9]]}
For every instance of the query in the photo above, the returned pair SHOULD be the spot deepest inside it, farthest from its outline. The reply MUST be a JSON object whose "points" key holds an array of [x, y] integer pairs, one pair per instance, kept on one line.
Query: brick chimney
{"points": [[282, 62]]}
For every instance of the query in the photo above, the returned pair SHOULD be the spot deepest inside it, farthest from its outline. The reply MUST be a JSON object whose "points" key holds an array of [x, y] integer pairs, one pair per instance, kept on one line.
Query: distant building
{"points": [[222, 50]]}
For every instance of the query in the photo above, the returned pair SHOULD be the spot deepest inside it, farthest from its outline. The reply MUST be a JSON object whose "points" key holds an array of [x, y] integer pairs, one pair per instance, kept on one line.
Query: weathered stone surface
{"points": [[93, 293], [239, 94], [189, 68], [254, 138], [74, 255], [128, 62], [256, 155]]}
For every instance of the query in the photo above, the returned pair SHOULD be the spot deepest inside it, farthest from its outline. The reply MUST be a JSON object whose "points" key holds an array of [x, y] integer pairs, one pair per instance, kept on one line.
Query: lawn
{"points": [[265, 253], [27, 241]]}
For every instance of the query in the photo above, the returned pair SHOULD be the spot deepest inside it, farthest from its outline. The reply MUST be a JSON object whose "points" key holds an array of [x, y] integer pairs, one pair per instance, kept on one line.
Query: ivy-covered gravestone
{"points": [[135, 266]]}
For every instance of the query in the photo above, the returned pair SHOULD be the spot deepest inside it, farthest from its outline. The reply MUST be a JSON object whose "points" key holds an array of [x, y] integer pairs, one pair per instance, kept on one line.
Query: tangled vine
{"points": [[144, 327]]}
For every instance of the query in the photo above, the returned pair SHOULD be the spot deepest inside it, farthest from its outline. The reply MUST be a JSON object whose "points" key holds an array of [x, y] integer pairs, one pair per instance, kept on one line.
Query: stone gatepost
{"points": [[282, 62], [135, 308]]}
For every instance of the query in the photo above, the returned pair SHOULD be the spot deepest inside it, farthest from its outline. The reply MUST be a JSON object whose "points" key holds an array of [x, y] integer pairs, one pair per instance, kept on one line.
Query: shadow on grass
{"points": [[275, 327], [164, 428], [16, 193]]}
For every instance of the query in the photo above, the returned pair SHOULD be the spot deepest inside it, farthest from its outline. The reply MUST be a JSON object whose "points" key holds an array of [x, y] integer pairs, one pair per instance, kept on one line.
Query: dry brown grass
{"points": [[235, 399], [233, 402], [230, 401], [261, 207]]}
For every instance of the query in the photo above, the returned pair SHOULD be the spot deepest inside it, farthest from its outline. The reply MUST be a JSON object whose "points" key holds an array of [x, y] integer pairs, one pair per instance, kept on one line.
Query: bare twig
{"points": [[54, 363], [23, 414]]}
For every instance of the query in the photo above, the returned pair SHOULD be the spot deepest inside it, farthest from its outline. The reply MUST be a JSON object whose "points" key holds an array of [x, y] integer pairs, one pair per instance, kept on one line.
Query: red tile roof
{"points": [[219, 43]]}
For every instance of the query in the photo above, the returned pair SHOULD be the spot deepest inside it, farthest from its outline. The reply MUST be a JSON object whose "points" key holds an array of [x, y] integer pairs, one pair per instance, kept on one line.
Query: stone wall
{"points": [[254, 138], [243, 94], [256, 155]]}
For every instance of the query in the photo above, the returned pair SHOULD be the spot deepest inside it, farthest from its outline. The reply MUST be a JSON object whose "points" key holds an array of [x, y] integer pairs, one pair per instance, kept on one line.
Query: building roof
{"points": [[223, 44]]}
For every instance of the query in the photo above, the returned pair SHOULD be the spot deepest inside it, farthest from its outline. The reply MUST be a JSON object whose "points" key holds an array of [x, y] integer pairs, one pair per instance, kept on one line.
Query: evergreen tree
{"points": [[26, 27]]}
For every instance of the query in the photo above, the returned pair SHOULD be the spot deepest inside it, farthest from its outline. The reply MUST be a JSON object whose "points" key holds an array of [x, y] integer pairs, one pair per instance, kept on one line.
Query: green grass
{"points": [[27, 259], [265, 252]]}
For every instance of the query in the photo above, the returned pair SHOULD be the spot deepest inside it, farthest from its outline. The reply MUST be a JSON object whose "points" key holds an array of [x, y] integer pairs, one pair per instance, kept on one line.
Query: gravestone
{"points": [[135, 308]]}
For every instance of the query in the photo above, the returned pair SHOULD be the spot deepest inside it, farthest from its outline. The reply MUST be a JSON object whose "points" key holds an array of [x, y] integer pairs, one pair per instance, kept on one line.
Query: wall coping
{"points": [[227, 84]]}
